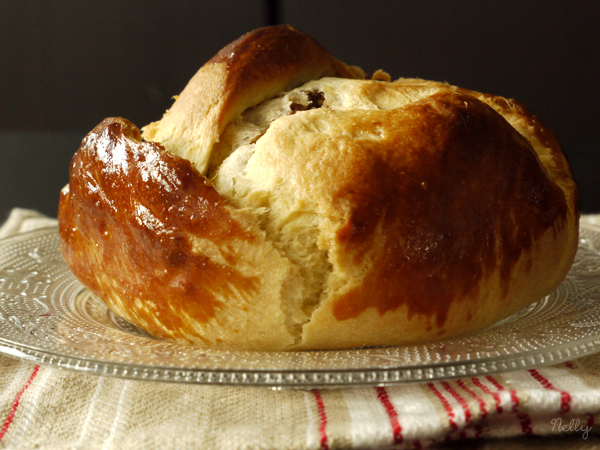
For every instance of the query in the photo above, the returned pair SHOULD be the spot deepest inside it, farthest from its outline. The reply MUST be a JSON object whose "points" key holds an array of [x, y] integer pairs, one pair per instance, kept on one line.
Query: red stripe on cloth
{"points": [[479, 400], [524, 419], [474, 396], [525, 422], [570, 365], [513, 393], [445, 404], [590, 420], [11, 415], [322, 419], [461, 401], [383, 397], [485, 389], [565, 397]]}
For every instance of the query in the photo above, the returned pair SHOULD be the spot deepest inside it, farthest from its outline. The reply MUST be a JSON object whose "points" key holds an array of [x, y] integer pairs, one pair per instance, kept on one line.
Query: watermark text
{"points": [[573, 426]]}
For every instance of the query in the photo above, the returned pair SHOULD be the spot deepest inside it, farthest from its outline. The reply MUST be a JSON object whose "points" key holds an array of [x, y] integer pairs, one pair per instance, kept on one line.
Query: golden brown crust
{"points": [[132, 198], [451, 223], [133, 221], [541, 137], [426, 219], [255, 67], [344, 213]]}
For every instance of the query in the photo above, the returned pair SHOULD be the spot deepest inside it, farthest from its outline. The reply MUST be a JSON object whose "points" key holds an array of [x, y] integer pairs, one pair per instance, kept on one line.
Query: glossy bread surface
{"points": [[148, 234]]}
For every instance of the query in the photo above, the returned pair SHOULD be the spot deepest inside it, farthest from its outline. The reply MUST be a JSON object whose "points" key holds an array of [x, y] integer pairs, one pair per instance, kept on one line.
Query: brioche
{"points": [[286, 201]]}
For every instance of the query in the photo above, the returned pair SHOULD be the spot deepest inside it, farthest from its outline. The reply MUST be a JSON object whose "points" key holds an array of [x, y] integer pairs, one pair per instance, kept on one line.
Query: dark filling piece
{"points": [[315, 100]]}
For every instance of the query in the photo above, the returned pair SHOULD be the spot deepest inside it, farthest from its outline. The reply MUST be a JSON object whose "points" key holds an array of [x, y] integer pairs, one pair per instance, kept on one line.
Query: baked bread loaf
{"points": [[286, 201]]}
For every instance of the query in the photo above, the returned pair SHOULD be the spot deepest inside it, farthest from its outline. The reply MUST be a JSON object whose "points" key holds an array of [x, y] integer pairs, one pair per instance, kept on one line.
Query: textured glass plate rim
{"points": [[298, 378]]}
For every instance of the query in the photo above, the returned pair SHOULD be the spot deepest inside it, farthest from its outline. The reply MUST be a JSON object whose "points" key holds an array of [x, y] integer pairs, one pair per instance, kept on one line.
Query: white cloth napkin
{"points": [[47, 408]]}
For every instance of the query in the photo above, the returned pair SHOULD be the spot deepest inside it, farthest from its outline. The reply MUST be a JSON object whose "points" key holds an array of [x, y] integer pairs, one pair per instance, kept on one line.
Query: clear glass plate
{"points": [[48, 317]]}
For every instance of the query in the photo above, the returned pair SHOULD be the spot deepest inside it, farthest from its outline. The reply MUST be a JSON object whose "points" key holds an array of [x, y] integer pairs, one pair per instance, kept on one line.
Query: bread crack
{"points": [[290, 223]]}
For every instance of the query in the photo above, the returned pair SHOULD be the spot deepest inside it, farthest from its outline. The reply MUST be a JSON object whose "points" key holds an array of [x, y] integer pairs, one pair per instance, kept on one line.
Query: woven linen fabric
{"points": [[47, 408]]}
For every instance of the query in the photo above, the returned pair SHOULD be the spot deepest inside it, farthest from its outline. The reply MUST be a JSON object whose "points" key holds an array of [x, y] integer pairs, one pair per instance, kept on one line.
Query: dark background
{"points": [[66, 65]]}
